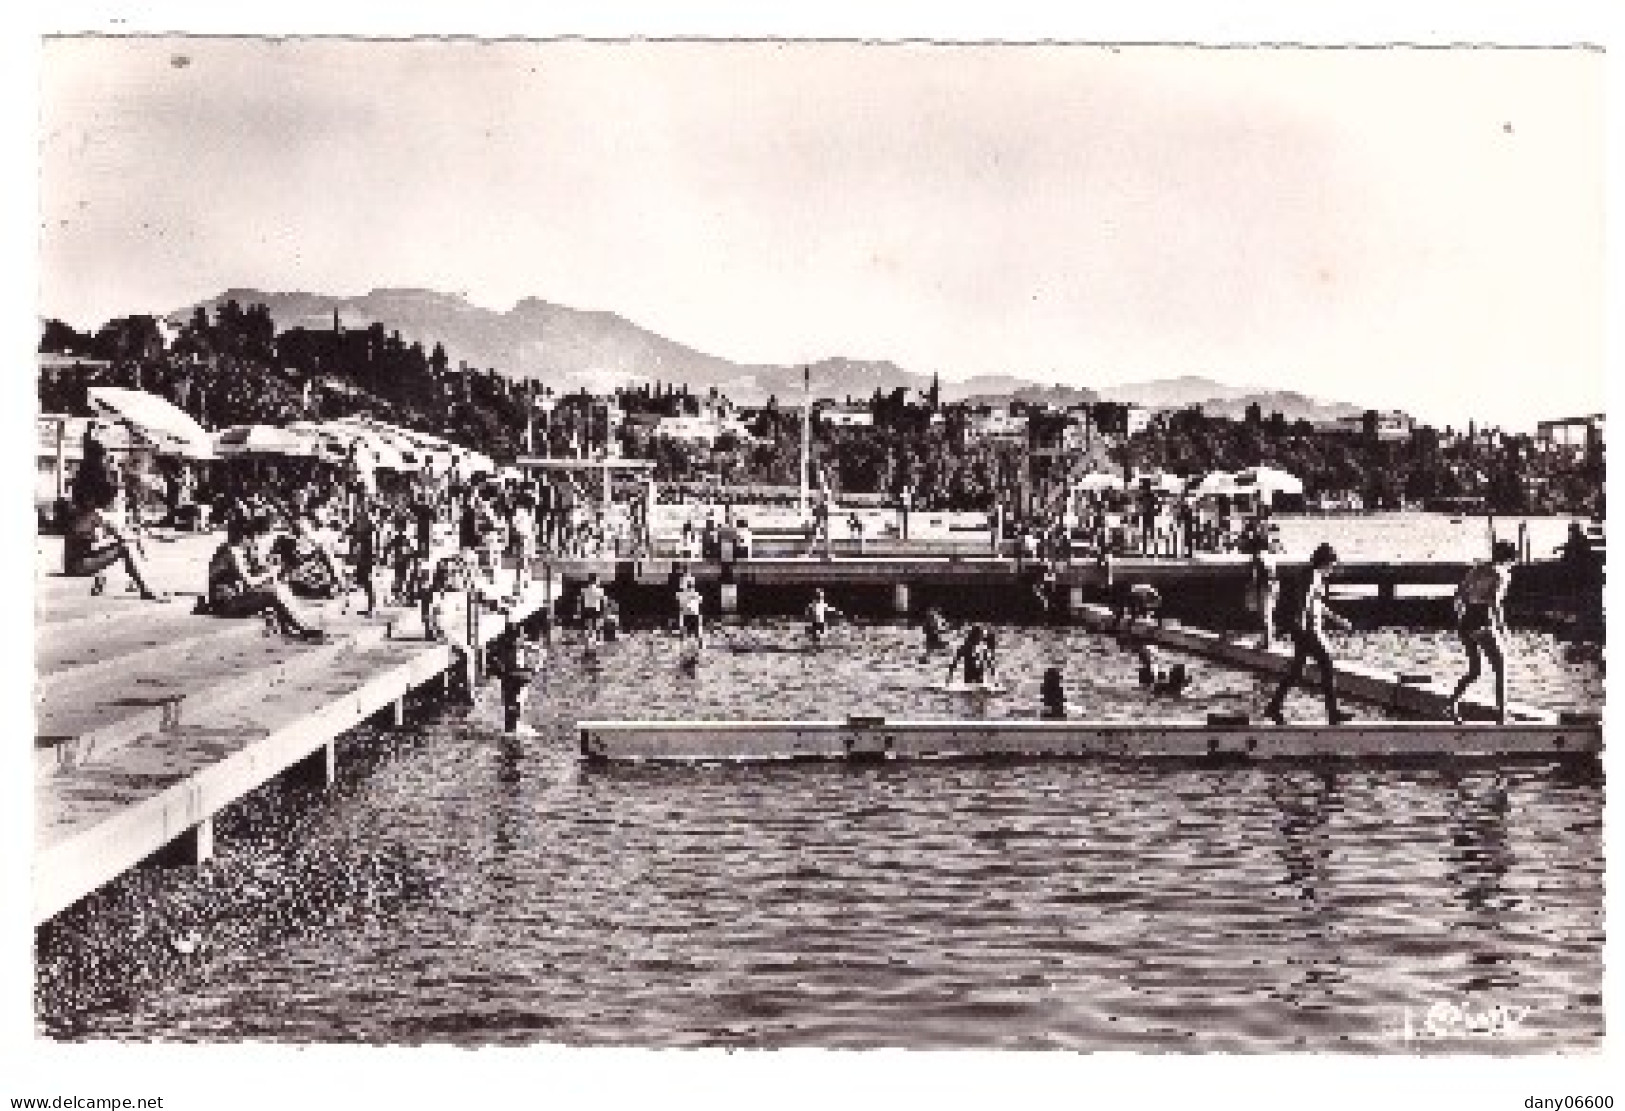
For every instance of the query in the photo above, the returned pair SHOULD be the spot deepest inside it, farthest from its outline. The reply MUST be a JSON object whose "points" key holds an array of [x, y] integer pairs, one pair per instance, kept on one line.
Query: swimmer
{"points": [[690, 625], [591, 606], [1053, 694], [1134, 601], [612, 621], [1482, 626], [936, 630], [1153, 676], [818, 614], [977, 654]]}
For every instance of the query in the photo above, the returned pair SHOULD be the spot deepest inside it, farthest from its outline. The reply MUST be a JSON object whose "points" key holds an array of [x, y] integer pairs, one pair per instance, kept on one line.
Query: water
{"points": [[461, 887]]}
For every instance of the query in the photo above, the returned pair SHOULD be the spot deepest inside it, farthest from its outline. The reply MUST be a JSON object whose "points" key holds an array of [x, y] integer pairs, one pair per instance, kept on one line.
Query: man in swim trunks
{"points": [[1307, 622], [1481, 624], [690, 625], [976, 655], [591, 604], [818, 614]]}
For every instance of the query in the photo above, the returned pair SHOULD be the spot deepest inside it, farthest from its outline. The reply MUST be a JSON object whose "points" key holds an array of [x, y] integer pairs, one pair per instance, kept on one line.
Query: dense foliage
{"points": [[235, 368]]}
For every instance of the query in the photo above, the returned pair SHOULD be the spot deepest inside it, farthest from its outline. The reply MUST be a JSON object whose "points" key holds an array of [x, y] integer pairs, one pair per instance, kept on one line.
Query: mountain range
{"points": [[572, 348]]}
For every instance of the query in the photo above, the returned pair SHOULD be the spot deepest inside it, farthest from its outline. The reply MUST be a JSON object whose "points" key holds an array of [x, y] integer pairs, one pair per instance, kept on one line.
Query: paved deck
{"points": [[151, 719]]}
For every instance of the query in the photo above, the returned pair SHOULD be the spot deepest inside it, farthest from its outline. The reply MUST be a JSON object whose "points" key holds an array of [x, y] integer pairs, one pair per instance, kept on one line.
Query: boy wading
{"points": [[1305, 624]]}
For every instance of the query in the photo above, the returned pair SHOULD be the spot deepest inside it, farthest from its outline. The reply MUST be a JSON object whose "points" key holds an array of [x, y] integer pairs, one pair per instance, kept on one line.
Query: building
{"points": [[702, 429], [1391, 426], [846, 416], [998, 424], [1571, 433]]}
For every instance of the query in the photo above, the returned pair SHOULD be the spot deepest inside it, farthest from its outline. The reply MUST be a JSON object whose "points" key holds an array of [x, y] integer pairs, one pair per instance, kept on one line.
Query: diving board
{"points": [[878, 738]]}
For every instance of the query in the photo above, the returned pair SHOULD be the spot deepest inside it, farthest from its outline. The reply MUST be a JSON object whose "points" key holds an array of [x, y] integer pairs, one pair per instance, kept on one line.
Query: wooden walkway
{"points": [[878, 738], [151, 719]]}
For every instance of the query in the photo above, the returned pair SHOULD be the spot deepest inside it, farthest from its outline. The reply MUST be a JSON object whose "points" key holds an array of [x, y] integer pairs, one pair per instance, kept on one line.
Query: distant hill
{"points": [[596, 350]]}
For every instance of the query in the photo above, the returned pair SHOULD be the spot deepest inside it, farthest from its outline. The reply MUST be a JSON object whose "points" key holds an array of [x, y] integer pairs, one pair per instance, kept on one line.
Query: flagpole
{"points": [[806, 433]]}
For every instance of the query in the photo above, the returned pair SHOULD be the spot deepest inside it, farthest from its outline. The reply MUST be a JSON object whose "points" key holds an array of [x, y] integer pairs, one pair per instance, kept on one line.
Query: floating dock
{"points": [[879, 739]]}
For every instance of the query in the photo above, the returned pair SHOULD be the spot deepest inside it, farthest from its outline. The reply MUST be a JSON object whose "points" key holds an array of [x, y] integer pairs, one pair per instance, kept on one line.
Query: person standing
{"points": [[905, 506], [364, 552], [1308, 620], [1263, 586], [1481, 625], [690, 625], [522, 659]]}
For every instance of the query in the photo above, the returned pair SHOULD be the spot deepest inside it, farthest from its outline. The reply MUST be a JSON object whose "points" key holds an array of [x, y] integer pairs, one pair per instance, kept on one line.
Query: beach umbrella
{"points": [[326, 443], [1099, 481], [171, 430], [1268, 481], [1217, 484], [262, 439]]}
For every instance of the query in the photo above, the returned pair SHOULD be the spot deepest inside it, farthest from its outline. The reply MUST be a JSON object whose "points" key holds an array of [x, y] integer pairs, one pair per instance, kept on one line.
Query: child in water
{"points": [[818, 614], [977, 656], [936, 630], [521, 661], [689, 623], [1153, 676], [1053, 694]]}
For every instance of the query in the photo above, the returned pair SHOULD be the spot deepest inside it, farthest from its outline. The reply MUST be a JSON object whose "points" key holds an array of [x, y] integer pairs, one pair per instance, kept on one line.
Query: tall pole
{"points": [[806, 434]]}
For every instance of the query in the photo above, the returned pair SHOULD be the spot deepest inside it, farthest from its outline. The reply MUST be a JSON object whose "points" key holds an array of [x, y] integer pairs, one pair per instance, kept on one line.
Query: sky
{"points": [[1411, 228]]}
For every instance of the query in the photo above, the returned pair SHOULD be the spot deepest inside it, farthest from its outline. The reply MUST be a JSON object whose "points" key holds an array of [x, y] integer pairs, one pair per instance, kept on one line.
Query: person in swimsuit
{"points": [[591, 604], [1052, 693], [976, 656], [936, 630], [1263, 586], [364, 553], [1481, 624], [1152, 675], [1133, 601], [1308, 621], [690, 625], [95, 541], [241, 585], [522, 659], [818, 614]]}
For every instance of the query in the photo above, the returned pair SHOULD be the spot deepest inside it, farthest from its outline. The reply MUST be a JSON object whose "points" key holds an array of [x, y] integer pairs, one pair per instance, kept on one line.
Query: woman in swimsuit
{"points": [[1481, 624], [95, 541]]}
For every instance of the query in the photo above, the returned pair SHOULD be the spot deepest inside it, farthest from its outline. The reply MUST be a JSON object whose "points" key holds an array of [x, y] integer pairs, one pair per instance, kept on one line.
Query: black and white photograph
{"points": [[1031, 548]]}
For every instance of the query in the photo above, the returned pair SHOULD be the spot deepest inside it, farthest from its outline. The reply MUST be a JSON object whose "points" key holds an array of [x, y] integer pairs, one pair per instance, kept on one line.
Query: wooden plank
{"points": [[789, 740], [1360, 682]]}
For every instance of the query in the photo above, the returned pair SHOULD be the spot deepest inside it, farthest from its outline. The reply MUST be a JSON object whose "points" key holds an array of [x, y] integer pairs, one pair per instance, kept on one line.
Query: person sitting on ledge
{"points": [[96, 540], [241, 585]]}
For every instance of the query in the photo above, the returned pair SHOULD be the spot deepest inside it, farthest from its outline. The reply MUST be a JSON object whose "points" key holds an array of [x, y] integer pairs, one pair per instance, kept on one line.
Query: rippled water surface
{"points": [[463, 887]]}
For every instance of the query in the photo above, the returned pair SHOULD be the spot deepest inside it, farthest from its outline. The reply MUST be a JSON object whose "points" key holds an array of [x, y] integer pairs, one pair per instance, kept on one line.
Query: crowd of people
{"points": [[424, 540]]}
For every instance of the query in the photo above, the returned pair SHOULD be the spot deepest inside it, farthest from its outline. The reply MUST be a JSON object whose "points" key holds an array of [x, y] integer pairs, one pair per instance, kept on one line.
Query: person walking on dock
{"points": [[1481, 624], [1308, 620]]}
